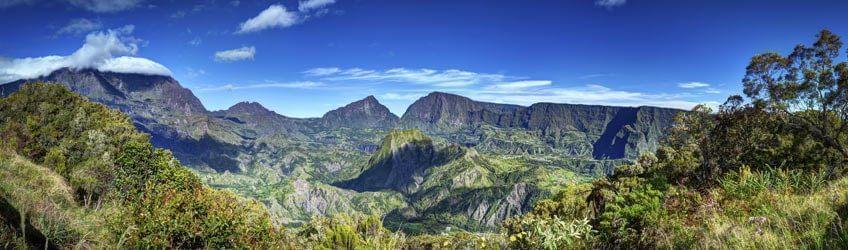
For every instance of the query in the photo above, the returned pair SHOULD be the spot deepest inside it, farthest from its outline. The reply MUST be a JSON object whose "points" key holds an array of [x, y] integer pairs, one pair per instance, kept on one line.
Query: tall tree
{"points": [[809, 86]]}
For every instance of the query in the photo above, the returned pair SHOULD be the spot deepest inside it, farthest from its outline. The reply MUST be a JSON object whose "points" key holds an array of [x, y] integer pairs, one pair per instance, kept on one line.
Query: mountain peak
{"points": [[364, 113], [251, 109], [248, 106], [370, 98]]}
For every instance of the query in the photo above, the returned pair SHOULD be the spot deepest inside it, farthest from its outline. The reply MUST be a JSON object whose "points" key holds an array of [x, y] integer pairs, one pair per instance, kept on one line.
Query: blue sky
{"points": [[303, 58]]}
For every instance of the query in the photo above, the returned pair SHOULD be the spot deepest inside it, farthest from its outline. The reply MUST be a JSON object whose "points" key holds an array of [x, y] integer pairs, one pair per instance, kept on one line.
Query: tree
{"points": [[809, 86]]}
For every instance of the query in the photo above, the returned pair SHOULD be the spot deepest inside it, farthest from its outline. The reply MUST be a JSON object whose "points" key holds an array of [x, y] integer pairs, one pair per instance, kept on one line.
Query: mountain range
{"points": [[448, 160]]}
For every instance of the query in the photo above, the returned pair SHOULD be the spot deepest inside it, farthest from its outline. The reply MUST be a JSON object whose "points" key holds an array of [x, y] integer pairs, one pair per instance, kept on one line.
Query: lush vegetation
{"points": [[82, 174], [767, 170]]}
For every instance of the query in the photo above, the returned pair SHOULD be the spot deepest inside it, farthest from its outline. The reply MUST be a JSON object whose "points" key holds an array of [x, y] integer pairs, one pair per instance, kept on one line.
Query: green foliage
{"points": [[114, 172], [349, 232], [809, 87], [552, 233], [457, 240], [629, 213], [763, 175]]}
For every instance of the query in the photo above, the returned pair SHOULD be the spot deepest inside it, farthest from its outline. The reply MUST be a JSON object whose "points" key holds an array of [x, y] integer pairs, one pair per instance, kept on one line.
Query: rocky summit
{"points": [[365, 113]]}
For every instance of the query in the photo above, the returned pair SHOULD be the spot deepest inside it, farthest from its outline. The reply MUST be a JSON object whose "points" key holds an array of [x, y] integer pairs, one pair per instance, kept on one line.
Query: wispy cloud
{"points": [[439, 78], [409, 84], [195, 42], [97, 6], [322, 71], [712, 91], [402, 96], [106, 6], [287, 85], [307, 5], [590, 76], [610, 3], [592, 94], [275, 16], [192, 73], [519, 85], [693, 85], [80, 26], [243, 53]]}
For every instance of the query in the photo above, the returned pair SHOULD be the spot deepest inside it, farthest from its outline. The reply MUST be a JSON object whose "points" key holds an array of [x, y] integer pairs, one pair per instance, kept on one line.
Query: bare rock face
{"points": [[600, 132], [365, 113]]}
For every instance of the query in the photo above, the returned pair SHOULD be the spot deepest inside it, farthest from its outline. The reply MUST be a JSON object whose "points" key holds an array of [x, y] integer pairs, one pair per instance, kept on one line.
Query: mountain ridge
{"points": [[480, 162]]}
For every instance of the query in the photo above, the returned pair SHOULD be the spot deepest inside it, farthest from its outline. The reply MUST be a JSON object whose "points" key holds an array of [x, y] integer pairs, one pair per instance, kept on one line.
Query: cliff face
{"points": [[447, 111], [604, 132], [365, 113], [136, 94]]}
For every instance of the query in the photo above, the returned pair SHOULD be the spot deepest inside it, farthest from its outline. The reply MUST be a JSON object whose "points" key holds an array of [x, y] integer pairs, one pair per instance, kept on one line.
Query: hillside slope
{"points": [[80, 174]]}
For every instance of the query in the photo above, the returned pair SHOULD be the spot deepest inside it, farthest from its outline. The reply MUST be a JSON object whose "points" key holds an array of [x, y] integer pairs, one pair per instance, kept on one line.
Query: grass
{"points": [[47, 201], [780, 209]]}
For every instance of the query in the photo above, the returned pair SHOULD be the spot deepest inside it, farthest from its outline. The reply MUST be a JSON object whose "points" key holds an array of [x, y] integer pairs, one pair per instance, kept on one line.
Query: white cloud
{"points": [[322, 71], [195, 42], [404, 97], [235, 3], [239, 54], [591, 94], [80, 26], [405, 84], [138, 65], [519, 85], [439, 78], [590, 76], [287, 85], [692, 85], [307, 5], [610, 3], [105, 6], [272, 17], [106, 51]]}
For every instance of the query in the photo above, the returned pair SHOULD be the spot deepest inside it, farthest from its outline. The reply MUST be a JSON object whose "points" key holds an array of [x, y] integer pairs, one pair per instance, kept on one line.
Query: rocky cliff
{"points": [[601, 132]]}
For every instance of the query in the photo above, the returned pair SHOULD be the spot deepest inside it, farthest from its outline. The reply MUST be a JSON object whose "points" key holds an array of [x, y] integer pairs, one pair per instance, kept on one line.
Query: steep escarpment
{"points": [[440, 110], [600, 132]]}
